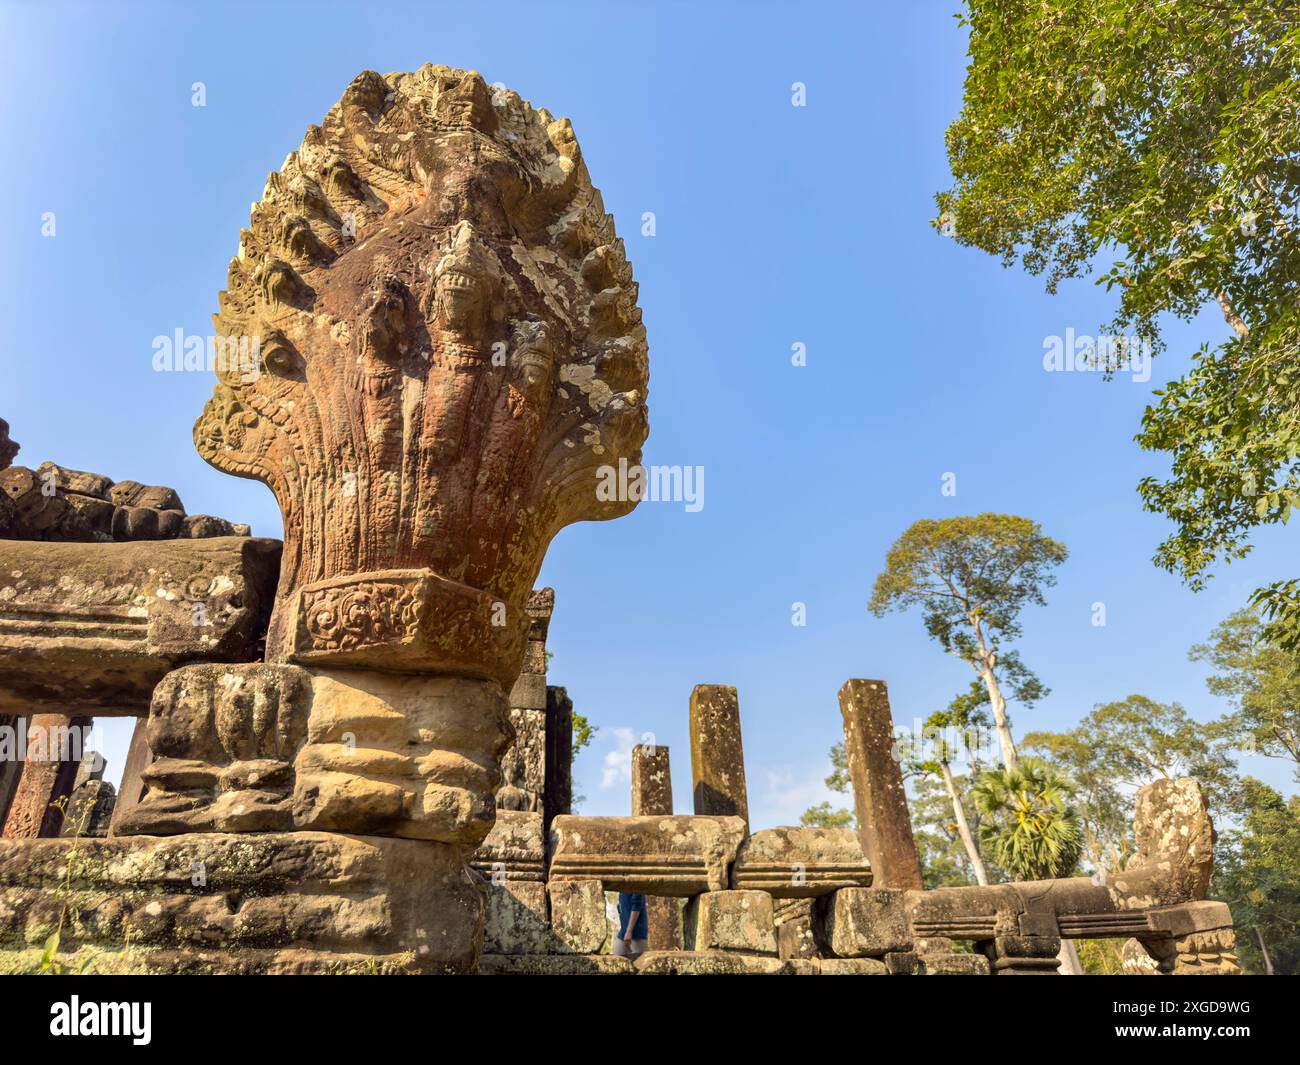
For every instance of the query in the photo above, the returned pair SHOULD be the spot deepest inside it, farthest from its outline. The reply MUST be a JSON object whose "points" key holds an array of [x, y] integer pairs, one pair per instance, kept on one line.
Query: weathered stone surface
{"points": [[652, 781], [402, 755], [1175, 847], [1212, 953], [556, 965], [852, 967], [90, 808], [652, 793], [557, 796], [673, 856], [248, 902], [428, 222], [223, 739], [1023, 955], [131, 789], [731, 920], [578, 922], [8, 448], [899, 963], [794, 931], [516, 920], [710, 963], [92, 628], [801, 862], [52, 758], [1188, 918], [514, 849], [955, 963], [884, 825], [862, 922], [717, 753], [1154, 899], [55, 503]]}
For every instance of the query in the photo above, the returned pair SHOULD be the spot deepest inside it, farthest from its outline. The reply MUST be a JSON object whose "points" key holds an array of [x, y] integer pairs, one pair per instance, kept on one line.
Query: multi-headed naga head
{"points": [[448, 348]]}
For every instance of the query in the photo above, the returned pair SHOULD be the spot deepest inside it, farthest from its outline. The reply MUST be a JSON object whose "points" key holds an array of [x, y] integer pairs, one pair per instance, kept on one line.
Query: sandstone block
{"points": [[863, 922], [516, 918], [674, 856], [249, 902], [94, 627], [801, 862], [731, 920], [955, 963], [852, 967], [578, 922], [710, 963], [555, 965]]}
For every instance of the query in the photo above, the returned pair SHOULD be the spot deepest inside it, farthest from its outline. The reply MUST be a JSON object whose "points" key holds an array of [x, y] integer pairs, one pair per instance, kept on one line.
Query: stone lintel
{"points": [[674, 856], [91, 628]]}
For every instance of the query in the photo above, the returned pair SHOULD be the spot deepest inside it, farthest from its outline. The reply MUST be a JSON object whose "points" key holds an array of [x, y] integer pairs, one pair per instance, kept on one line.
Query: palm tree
{"points": [[1029, 824]]}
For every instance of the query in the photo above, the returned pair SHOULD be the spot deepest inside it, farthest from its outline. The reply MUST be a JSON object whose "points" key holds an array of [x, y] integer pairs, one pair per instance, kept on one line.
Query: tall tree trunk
{"points": [[1069, 956], [999, 706], [963, 827], [1268, 962]]}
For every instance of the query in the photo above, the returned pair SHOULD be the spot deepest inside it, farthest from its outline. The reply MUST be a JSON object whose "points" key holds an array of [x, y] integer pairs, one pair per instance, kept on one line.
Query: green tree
{"points": [[1260, 879], [944, 859], [971, 577], [583, 731], [1123, 745], [1162, 137], [949, 735], [1031, 827], [1263, 683]]}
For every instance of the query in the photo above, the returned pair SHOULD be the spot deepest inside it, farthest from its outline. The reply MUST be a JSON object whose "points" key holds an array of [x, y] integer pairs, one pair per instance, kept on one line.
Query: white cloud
{"points": [[618, 762]]}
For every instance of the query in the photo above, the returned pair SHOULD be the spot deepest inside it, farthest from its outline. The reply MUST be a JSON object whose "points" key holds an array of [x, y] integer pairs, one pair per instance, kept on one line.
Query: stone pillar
{"points": [[523, 766], [652, 784], [884, 825], [557, 796], [11, 767], [717, 753], [47, 777], [652, 794], [90, 806], [131, 789]]}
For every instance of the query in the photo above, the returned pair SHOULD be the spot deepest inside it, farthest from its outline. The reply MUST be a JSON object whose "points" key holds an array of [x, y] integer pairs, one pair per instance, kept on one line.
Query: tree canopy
{"points": [[1158, 143]]}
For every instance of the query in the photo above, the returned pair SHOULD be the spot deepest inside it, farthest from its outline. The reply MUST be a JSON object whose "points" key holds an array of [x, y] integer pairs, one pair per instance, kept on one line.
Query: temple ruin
{"points": [[347, 756]]}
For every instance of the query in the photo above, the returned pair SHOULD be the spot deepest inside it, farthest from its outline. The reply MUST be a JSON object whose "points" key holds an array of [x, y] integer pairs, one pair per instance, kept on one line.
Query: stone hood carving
{"points": [[444, 345]]}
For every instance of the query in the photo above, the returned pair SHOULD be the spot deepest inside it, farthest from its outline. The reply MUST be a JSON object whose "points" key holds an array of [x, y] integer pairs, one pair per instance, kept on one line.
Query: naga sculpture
{"points": [[450, 347]]}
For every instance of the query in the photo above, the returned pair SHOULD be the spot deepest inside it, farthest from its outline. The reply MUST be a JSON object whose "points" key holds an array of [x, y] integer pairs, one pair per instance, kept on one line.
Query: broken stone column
{"points": [[652, 794], [717, 753], [49, 772], [131, 788], [652, 782], [512, 863], [90, 806], [523, 766], [884, 825], [557, 796]]}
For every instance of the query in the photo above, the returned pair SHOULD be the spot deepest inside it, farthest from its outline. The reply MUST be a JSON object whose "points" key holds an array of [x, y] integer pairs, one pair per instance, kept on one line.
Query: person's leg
{"points": [[620, 948]]}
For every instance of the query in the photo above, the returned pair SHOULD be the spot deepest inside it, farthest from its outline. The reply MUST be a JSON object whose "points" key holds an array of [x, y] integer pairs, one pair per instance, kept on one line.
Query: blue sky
{"points": [[775, 225]]}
